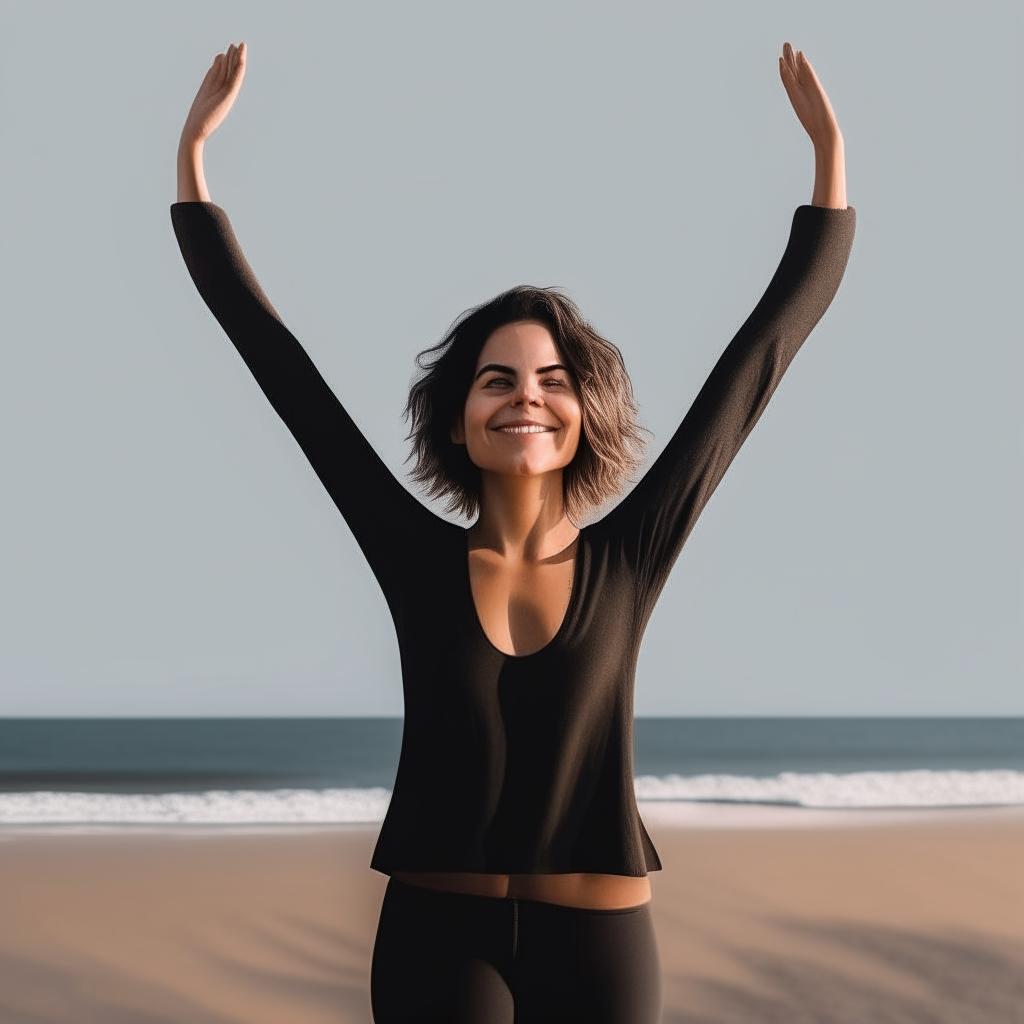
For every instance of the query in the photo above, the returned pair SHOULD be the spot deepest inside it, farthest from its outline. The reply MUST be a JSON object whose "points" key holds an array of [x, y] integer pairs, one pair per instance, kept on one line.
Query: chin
{"points": [[522, 459], [529, 468]]}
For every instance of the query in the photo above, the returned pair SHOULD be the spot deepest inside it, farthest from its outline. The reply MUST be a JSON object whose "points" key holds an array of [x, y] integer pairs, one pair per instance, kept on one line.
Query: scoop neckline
{"points": [[562, 626]]}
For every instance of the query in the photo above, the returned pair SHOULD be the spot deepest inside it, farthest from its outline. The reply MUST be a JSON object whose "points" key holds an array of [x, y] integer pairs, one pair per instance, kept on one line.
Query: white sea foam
{"points": [[856, 789], [216, 807], [339, 806]]}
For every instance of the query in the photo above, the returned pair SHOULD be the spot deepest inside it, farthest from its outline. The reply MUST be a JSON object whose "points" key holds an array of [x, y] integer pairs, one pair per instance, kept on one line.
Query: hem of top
{"points": [[476, 897], [389, 871]]}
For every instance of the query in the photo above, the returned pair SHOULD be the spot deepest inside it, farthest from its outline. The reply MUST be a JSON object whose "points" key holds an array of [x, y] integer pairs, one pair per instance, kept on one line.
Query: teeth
{"points": [[525, 430]]}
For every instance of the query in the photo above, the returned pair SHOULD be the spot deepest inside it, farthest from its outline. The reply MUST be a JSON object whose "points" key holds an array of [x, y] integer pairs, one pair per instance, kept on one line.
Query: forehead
{"points": [[524, 343]]}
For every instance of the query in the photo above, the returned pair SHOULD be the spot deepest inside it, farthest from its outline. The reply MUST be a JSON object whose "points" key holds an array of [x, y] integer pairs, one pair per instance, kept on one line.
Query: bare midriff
{"points": [[580, 890]]}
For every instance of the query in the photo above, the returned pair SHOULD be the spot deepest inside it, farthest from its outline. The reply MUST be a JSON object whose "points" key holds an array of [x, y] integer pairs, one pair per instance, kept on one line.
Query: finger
{"points": [[793, 93], [789, 80], [789, 56], [240, 70], [786, 74], [808, 74], [237, 69], [808, 70]]}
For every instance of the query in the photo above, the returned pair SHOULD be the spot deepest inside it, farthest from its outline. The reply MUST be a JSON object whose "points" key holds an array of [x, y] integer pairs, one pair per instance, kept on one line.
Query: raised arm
{"points": [[656, 518], [384, 517]]}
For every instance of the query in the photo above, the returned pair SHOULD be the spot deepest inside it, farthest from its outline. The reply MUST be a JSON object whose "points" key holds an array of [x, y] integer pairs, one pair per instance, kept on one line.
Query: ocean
{"points": [[332, 770]]}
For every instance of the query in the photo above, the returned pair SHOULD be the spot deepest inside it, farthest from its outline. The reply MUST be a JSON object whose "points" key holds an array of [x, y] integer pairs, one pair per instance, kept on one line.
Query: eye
{"points": [[555, 382], [500, 382]]}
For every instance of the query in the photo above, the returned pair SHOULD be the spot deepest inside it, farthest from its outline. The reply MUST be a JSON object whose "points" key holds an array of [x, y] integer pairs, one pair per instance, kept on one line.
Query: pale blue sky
{"points": [[166, 550]]}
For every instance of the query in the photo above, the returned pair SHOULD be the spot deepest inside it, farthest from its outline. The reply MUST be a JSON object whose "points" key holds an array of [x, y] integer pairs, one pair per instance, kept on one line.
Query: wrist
{"points": [[829, 178], [829, 144], [191, 177]]}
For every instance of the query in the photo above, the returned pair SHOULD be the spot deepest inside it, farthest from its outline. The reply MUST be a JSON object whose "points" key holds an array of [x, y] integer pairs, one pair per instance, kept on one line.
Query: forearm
{"points": [[191, 177], [830, 173]]}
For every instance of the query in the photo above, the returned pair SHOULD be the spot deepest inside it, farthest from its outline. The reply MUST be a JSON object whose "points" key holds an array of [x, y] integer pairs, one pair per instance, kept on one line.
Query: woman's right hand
{"points": [[215, 98], [811, 105], [216, 95]]}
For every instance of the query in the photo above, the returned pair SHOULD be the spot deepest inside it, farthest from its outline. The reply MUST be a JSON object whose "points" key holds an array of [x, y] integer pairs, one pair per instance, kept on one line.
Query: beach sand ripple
{"points": [[906, 919]]}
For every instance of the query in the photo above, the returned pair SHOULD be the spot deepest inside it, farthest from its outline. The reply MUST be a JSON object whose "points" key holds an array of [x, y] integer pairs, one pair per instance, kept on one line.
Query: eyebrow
{"points": [[498, 368]]}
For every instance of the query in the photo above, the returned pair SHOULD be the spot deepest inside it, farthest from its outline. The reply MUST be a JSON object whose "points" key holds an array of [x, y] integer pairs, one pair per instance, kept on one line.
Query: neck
{"points": [[523, 516]]}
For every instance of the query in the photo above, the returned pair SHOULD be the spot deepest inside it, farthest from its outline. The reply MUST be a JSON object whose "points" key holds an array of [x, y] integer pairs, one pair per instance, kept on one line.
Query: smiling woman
{"points": [[517, 856]]}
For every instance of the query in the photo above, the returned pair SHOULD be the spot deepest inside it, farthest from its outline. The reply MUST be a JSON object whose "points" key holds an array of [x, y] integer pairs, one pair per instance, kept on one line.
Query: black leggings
{"points": [[446, 957]]}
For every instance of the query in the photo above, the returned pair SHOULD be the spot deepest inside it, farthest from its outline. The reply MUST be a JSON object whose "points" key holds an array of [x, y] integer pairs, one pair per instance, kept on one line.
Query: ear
{"points": [[458, 431]]}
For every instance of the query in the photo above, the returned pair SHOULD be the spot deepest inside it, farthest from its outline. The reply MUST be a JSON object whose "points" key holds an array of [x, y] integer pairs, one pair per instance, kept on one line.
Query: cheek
{"points": [[476, 412], [578, 422], [570, 413], [476, 415]]}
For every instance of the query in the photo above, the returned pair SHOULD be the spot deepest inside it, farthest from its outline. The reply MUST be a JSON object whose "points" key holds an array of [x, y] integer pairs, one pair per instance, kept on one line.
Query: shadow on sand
{"points": [[937, 979], [316, 975], [310, 975]]}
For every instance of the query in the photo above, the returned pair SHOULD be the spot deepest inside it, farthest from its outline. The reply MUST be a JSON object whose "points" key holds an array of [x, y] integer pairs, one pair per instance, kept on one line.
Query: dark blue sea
{"points": [[342, 769]]}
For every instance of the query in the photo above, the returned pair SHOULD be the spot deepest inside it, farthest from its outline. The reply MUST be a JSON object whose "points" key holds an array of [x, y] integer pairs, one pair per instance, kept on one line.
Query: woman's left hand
{"points": [[819, 120], [808, 97]]}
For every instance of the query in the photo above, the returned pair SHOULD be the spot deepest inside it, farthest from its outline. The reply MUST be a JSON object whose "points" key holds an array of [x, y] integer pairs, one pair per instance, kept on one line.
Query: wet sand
{"points": [[764, 915]]}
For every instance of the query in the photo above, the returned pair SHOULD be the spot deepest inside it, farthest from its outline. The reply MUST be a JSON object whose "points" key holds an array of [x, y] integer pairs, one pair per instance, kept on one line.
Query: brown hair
{"points": [[611, 440]]}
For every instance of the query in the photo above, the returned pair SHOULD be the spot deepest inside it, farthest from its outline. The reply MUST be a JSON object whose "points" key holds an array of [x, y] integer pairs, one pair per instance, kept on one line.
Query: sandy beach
{"points": [[763, 914]]}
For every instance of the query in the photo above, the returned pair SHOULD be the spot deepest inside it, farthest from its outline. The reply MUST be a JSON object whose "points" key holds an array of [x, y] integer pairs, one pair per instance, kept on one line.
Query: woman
{"points": [[517, 858]]}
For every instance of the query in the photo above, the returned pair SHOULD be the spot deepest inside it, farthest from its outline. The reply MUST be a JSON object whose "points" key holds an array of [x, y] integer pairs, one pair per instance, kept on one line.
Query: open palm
{"points": [[807, 95], [216, 95]]}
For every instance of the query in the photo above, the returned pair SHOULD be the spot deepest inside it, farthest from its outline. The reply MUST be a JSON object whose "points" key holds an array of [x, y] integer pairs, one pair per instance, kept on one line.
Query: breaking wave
{"points": [[908, 789]]}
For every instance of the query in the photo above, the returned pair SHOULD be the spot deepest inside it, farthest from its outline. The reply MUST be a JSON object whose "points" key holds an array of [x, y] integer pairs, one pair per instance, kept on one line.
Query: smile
{"points": [[537, 428]]}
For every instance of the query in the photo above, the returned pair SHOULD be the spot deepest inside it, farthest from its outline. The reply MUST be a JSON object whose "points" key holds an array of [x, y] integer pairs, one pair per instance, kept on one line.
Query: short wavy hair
{"points": [[611, 440]]}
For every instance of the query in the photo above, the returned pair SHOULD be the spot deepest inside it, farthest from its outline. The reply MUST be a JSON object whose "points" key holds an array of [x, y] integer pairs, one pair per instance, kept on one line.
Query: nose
{"points": [[527, 393]]}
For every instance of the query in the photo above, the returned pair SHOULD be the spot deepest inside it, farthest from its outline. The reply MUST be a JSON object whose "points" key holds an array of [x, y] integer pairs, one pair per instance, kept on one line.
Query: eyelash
{"points": [[505, 380]]}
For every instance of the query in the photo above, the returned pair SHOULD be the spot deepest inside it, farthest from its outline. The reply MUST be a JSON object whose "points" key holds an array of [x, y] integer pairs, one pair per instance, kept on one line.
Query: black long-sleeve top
{"points": [[520, 764]]}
